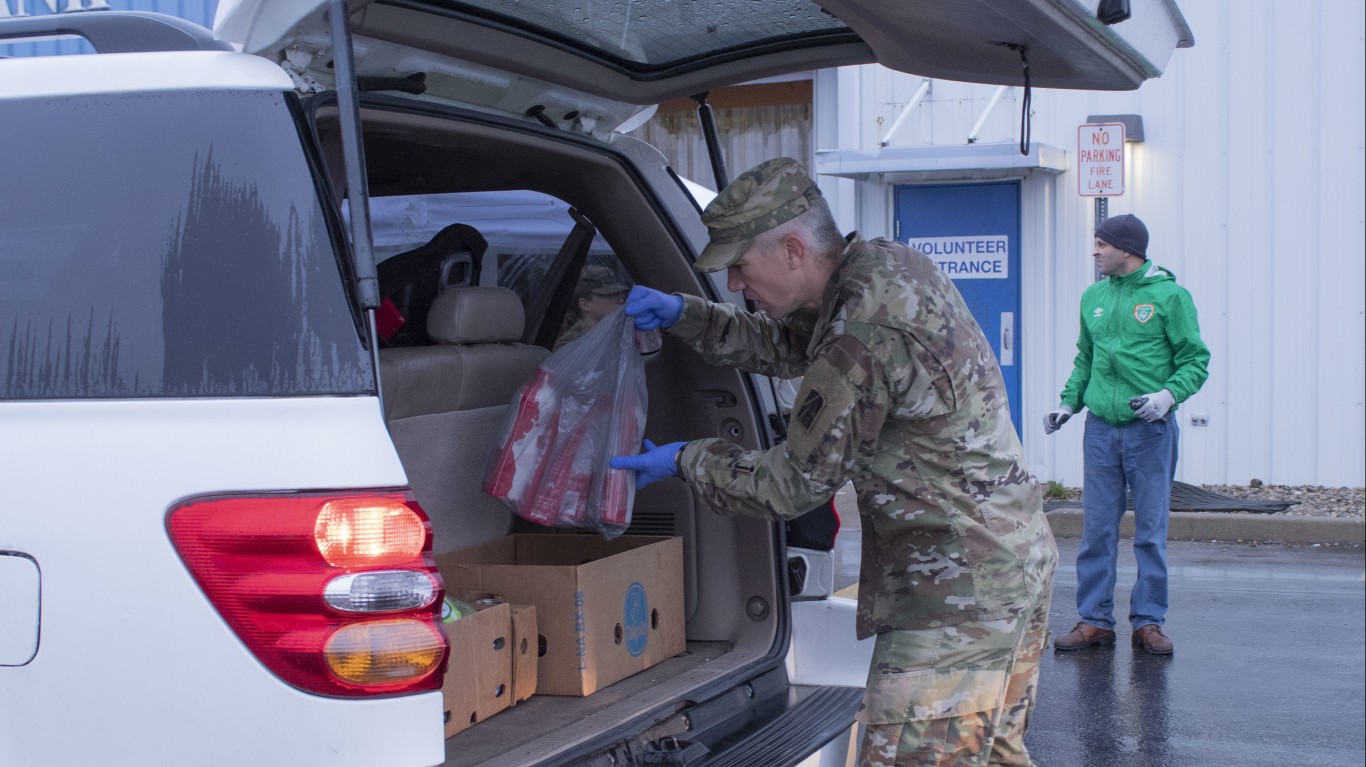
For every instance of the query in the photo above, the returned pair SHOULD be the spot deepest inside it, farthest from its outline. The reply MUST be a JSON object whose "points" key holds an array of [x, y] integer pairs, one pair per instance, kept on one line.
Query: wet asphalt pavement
{"points": [[1268, 668]]}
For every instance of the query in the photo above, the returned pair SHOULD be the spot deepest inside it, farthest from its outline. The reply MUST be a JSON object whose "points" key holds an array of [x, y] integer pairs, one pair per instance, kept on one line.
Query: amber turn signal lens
{"points": [[361, 532], [384, 652]]}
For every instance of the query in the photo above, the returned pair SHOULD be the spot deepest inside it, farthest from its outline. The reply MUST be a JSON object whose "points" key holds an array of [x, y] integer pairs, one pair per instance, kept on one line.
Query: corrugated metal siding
{"points": [[749, 135], [1251, 180], [198, 11]]}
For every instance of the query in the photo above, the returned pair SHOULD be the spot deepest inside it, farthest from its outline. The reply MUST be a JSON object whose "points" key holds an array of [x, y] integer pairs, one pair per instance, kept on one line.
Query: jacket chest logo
{"points": [[1099, 311], [1144, 312]]}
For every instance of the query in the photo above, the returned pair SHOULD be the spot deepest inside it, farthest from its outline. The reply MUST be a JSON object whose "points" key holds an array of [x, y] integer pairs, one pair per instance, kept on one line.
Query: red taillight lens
{"points": [[368, 532], [282, 571]]}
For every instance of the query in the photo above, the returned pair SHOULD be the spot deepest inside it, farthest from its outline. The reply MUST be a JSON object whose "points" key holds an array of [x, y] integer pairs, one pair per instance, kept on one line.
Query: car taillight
{"points": [[368, 532], [336, 593]]}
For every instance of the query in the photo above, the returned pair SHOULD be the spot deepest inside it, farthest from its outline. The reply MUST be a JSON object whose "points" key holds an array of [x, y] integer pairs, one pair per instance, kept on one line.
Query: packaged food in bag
{"points": [[584, 404]]}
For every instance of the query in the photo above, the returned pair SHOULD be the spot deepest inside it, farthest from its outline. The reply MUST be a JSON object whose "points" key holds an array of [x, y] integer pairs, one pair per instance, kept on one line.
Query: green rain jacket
{"points": [[1139, 334]]}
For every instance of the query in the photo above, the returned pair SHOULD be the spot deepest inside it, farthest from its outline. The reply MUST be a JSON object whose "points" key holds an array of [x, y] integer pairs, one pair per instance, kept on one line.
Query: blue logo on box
{"points": [[636, 620]]}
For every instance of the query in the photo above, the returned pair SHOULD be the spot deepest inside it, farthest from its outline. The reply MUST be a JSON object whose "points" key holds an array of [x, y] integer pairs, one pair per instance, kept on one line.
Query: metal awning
{"points": [[863, 163]]}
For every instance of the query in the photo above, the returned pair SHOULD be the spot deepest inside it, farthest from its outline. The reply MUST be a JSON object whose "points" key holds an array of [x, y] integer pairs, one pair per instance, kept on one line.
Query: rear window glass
{"points": [[167, 245], [664, 34], [515, 236]]}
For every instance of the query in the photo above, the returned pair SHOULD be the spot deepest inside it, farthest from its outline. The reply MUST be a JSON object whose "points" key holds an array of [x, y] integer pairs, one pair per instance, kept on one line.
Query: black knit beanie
{"points": [[1125, 232]]}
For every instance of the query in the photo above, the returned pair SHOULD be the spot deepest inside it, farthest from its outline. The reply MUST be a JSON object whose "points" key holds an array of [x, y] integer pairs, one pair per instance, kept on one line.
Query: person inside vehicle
{"points": [[599, 293], [901, 394]]}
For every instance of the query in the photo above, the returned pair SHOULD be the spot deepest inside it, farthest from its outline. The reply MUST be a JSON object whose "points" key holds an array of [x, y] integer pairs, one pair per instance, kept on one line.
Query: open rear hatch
{"points": [[648, 51]]}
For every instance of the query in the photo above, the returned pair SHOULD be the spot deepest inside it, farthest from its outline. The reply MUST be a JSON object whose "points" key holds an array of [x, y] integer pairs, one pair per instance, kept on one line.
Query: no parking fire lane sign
{"points": [[1100, 160]]}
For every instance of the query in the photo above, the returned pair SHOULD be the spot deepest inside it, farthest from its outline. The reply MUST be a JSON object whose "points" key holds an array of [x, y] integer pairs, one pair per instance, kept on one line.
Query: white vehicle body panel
{"points": [[56, 76], [824, 649], [133, 657]]}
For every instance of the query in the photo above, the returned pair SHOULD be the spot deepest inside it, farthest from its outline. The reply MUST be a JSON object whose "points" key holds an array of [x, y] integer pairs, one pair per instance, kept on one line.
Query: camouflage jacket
{"points": [[902, 395], [573, 332]]}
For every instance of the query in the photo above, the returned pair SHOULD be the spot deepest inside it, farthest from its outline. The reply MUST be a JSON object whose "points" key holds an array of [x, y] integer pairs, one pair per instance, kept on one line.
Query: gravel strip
{"points": [[1311, 500]]}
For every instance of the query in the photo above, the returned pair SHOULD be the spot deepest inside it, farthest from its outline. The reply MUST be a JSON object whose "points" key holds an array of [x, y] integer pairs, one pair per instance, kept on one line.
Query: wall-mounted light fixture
{"points": [[1133, 125], [1112, 11]]}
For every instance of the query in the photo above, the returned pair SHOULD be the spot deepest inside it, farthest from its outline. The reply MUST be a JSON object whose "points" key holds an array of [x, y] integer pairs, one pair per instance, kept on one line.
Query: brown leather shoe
{"points": [[1150, 638], [1084, 635]]}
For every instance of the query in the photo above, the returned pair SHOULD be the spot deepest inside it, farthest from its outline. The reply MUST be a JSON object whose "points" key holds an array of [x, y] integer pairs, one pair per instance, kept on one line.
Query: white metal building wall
{"points": [[749, 136], [1252, 180]]}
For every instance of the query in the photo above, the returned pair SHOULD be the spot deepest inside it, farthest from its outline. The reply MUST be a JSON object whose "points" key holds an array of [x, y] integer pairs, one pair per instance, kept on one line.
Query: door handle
{"points": [[717, 397], [1007, 356]]}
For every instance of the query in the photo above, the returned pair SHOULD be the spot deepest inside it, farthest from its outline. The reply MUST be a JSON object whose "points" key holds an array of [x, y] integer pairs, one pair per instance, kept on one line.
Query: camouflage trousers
{"points": [[955, 696]]}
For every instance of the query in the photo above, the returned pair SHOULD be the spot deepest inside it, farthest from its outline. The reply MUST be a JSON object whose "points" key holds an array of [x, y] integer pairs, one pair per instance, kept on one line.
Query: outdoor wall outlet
{"points": [[1199, 419]]}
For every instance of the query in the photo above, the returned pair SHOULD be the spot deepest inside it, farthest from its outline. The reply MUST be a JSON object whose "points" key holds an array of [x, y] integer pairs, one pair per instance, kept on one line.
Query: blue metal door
{"points": [[973, 232]]}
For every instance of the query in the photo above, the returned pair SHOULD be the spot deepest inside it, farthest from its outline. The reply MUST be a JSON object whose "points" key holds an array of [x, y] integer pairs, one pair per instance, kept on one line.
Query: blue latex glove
{"points": [[654, 464], [652, 309]]}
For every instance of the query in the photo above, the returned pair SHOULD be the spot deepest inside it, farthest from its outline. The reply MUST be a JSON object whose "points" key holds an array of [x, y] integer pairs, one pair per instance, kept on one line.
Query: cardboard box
{"points": [[606, 609], [524, 639], [478, 680]]}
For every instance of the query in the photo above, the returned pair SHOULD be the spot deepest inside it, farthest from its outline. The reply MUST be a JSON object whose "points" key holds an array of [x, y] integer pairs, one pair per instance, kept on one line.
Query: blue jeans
{"points": [[1141, 457]]}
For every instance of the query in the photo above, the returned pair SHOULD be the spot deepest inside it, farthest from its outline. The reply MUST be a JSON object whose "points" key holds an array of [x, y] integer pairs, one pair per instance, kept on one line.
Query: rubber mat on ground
{"points": [[1192, 498]]}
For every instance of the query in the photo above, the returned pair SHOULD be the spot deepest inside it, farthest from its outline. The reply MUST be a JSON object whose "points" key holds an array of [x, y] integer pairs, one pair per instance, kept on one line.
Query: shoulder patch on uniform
{"points": [[1144, 312], [810, 409]]}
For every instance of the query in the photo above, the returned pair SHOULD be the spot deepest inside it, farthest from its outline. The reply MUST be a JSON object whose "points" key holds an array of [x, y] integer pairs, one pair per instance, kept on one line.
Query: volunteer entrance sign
{"points": [[1100, 160], [973, 257]]}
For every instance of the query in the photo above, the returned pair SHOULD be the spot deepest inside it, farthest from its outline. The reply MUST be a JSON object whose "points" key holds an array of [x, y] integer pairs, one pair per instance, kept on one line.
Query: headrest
{"points": [[475, 315]]}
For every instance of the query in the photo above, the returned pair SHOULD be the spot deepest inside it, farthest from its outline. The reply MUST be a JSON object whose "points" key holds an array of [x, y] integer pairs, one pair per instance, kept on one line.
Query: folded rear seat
{"points": [[445, 402]]}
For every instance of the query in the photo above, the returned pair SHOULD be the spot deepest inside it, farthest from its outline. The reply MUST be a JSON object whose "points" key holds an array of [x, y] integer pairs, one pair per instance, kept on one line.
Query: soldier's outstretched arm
{"points": [[725, 334], [841, 407]]}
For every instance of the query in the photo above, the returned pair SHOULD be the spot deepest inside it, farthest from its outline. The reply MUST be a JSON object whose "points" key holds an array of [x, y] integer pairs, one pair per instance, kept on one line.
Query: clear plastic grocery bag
{"points": [[585, 404]]}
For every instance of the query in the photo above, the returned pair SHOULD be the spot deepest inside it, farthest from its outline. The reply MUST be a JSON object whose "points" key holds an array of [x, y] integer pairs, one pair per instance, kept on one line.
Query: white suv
{"points": [[231, 444]]}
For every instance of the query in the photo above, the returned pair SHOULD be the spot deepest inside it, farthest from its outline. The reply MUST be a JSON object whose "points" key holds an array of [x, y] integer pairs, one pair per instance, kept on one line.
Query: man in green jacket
{"points": [[1139, 354]]}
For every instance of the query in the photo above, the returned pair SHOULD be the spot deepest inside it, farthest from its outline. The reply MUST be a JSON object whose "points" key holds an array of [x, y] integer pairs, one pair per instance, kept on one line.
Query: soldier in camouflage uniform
{"points": [[902, 395], [599, 293]]}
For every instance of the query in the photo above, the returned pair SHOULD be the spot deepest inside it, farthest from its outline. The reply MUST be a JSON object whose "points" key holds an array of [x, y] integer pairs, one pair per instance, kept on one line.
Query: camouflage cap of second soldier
{"points": [[769, 194], [599, 281]]}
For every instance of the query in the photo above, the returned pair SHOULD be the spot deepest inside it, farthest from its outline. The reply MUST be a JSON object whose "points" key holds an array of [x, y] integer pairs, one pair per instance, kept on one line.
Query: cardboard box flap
{"points": [[526, 649], [544, 550], [585, 549]]}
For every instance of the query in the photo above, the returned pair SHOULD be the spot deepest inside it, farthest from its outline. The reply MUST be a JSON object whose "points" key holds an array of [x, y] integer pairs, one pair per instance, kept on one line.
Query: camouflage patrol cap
{"points": [[769, 194], [599, 281]]}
